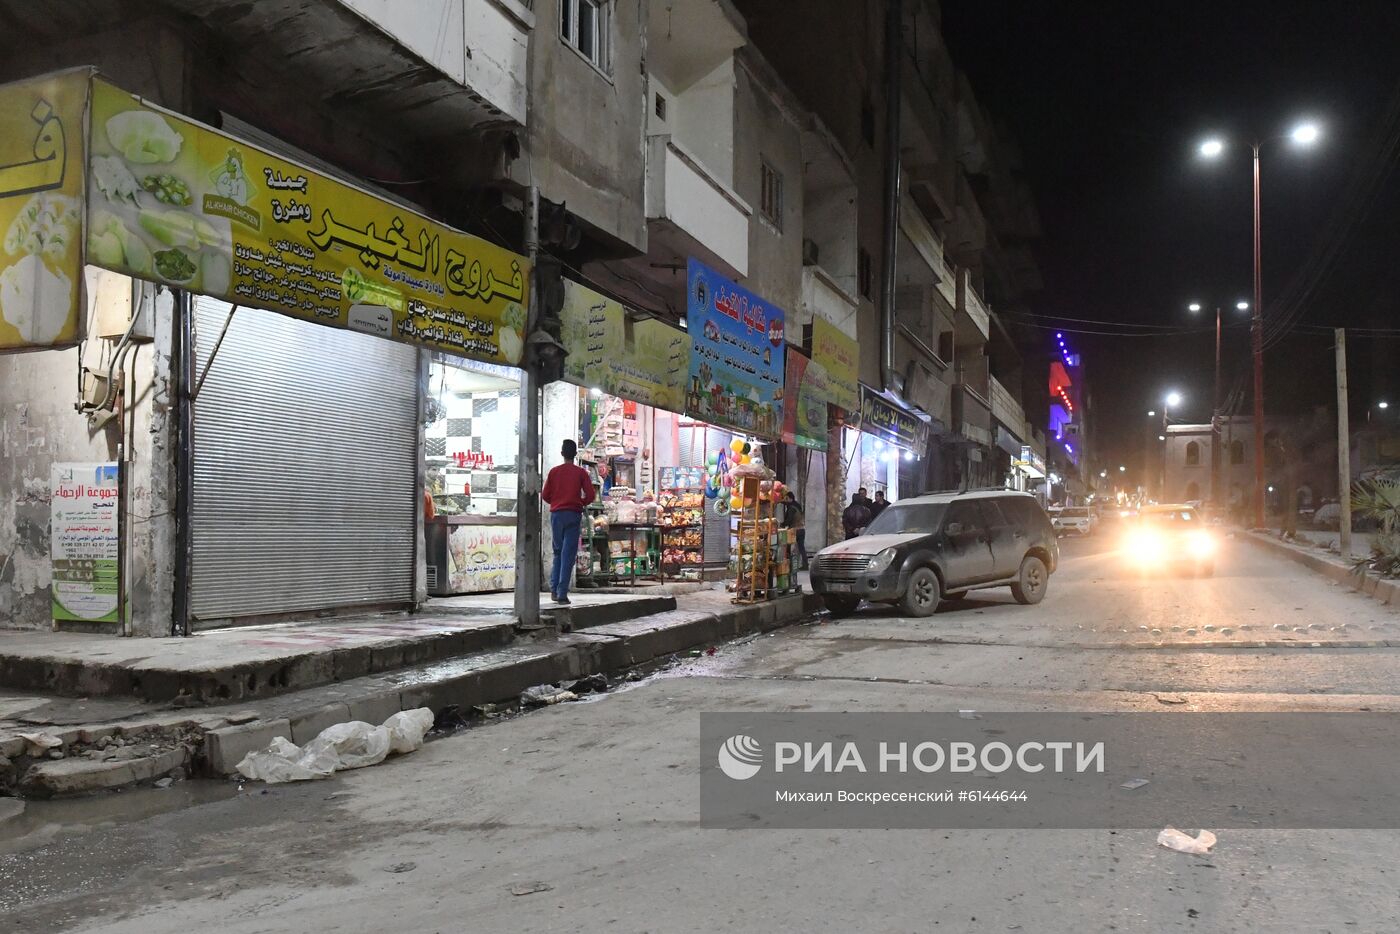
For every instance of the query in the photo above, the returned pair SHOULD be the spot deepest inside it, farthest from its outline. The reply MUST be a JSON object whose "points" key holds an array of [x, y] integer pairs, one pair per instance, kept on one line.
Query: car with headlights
{"points": [[921, 550], [1072, 520], [1171, 537]]}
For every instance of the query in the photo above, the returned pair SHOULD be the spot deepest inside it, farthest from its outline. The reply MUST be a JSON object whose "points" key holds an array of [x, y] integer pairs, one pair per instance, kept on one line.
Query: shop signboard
{"points": [[806, 392], [481, 558], [883, 419], [84, 542], [177, 202], [736, 355], [41, 197], [644, 361], [839, 356], [1030, 462]]}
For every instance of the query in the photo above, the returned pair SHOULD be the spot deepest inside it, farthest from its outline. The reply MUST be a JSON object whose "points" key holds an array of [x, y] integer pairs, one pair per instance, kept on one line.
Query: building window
{"points": [[586, 25], [660, 106], [1193, 454], [945, 346], [865, 278], [1237, 452], [770, 201]]}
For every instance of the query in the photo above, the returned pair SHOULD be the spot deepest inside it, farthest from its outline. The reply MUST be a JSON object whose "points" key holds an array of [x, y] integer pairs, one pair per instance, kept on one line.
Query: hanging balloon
{"points": [[737, 446], [736, 502], [745, 459], [721, 507], [711, 491], [746, 448]]}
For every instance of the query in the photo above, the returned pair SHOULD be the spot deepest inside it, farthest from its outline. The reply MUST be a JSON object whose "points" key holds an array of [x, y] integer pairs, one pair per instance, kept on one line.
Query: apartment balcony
{"points": [[690, 212], [433, 67], [1006, 408], [823, 297], [972, 415], [973, 321]]}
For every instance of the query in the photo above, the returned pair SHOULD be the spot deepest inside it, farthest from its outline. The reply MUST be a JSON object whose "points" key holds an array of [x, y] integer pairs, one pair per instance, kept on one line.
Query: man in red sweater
{"points": [[567, 489]]}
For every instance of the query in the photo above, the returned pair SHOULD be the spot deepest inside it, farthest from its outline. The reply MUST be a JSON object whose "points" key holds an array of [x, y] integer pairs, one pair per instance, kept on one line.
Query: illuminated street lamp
{"points": [[1195, 307], [1304, 134]]}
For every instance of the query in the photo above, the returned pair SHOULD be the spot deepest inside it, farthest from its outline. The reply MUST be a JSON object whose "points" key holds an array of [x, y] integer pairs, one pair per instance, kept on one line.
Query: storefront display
{"points": [[763, 550], [470, 446]]}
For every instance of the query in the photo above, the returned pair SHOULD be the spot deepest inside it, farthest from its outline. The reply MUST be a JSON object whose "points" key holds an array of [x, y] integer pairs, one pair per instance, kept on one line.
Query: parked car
{"points": [[1072, 520], [1172, 537], [921, 550]]}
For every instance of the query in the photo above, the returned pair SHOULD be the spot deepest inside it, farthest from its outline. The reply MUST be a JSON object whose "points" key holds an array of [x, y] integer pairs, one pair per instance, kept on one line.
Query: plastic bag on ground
{"points": [[407, 729], [1174, 839], [352, 745]]}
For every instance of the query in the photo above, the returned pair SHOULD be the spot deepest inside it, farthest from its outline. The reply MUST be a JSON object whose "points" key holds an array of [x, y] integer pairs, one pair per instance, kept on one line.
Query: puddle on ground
{"points": [[43, 822]]}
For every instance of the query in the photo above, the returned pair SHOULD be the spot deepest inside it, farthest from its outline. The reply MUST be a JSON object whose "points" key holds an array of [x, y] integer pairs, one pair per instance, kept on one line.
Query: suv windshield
{"points": [[913, 517], [1075, 513]]}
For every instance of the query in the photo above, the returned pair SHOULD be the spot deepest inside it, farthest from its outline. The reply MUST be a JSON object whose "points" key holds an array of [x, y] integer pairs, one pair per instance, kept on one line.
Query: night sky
{"points": [[1108, 101]]}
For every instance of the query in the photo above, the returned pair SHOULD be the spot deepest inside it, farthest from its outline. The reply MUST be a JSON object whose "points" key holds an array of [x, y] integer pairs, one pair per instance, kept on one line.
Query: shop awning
{"points": [[642, 361]]}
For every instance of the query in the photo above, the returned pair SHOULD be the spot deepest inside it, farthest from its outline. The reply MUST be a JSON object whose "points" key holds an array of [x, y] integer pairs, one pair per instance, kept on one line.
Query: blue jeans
{"points": [[565, 526]]}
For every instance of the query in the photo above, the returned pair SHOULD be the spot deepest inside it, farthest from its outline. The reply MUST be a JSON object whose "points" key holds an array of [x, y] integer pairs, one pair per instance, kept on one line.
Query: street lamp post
{"points": [[1215, 406], [1304, 134]]}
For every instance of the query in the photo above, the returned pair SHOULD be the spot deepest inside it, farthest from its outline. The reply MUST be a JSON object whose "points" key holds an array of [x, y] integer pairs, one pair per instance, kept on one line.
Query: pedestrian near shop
{"points": [[878, 504], [856, 517], [567, 490], [796, 519]]}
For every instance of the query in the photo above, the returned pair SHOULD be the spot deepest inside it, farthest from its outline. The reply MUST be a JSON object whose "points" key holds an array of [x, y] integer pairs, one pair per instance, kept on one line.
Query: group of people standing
{"points": [[862, 511]]}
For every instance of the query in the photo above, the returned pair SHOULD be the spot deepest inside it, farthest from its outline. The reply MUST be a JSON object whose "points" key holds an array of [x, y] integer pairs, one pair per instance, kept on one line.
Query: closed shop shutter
{"points": [[305, 466]]}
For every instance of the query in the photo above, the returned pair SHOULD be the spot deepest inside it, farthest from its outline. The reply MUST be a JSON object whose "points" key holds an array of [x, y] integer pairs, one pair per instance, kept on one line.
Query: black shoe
{"points": [[563, 600]]}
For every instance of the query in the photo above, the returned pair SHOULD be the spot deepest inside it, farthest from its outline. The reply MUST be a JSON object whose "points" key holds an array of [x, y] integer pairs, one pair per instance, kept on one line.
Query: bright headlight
{"points": [[1143, 545], [1202, 544], [881, 561]]}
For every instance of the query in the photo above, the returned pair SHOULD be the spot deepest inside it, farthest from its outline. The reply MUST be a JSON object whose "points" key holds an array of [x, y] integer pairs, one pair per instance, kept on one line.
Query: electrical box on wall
{"points": [[114, 300]]}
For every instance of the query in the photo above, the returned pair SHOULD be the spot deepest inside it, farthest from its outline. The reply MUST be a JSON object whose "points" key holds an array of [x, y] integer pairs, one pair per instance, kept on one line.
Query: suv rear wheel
{"points": [[922, 595], [1031, 582]]}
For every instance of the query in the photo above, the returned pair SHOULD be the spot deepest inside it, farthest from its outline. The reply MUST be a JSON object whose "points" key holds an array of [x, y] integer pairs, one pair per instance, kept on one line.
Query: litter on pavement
{"points": [[544, 695], [1135, 783], [1174, 839], [351, 745]]}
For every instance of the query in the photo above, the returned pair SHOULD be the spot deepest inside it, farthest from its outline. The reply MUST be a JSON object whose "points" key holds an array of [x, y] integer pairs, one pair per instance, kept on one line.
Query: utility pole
{"points": [[1343, 444], [1258, 341], [529, 556], [1215, 425]]}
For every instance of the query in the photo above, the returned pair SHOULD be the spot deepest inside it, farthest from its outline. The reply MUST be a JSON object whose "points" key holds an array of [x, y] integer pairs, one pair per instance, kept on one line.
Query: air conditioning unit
{"points": [[811, 255]]}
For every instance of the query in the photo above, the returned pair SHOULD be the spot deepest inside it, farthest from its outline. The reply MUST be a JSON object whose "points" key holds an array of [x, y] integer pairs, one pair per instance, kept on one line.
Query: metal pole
{"points": [[1258, 337], [183, 370], [529, 557], [1343, 444], [1215, 424], [889, 279]]}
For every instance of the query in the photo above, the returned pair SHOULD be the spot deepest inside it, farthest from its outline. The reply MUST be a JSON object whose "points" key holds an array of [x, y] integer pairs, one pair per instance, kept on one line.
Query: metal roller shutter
{"points": [[305, 466]]}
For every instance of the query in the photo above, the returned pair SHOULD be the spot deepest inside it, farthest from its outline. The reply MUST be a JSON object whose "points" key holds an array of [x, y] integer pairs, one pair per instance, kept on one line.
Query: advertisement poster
{"points": [[736, 355], [177, 202], [838, 356], [84, 543], [481, 558], [41, 191], [804, 416], [645, 361]]}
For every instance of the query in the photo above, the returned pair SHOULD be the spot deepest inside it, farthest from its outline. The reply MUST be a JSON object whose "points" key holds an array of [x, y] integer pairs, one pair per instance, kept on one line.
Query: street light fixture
{"points": [[1122, 468], [1173, 399], [1382, 405], [1304, 134], [1215, 406], [1242, 306]]}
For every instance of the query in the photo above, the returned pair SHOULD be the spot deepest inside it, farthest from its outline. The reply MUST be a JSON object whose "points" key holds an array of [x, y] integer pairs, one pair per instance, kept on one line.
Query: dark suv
{"points": [[919, 551]]}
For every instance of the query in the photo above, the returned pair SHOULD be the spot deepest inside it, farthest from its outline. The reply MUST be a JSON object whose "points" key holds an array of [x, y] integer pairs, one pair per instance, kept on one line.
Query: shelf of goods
{"points": [[617, 552], [763, 550], [681, 517]]}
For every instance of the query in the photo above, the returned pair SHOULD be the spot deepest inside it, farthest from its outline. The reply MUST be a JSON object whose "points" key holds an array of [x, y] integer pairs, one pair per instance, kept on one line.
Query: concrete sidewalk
{"points": [[321, 675], [1329, 564]]}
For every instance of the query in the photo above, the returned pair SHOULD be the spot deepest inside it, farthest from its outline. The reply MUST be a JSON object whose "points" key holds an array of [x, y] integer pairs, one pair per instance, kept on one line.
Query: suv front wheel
{"points": [[923, 593], [1030, 584]]}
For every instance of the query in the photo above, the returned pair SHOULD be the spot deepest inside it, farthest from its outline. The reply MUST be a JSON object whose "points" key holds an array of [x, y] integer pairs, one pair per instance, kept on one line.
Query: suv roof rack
{"points": [[972, 489]]}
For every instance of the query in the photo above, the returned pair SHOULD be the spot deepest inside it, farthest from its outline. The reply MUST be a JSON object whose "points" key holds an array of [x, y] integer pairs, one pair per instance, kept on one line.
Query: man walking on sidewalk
{"points": [[794, 518], [567, 489]]}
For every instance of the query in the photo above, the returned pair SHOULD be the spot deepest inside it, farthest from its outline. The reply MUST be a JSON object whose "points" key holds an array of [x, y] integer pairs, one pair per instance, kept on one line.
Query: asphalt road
{"points": [[584, 817]]}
